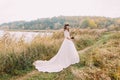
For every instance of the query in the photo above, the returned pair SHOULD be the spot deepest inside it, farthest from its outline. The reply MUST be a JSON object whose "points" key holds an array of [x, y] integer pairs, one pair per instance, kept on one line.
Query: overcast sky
{"points": [[15, 10]]}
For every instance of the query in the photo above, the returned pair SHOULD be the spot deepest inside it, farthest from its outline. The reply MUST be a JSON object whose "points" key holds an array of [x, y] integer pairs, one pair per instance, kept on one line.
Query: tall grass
{"points": [[102, 62], [16, 56]]}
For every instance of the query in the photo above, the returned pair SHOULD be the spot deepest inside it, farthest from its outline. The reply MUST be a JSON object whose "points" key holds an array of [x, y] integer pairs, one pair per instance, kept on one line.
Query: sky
{"points": [[17, 10]]}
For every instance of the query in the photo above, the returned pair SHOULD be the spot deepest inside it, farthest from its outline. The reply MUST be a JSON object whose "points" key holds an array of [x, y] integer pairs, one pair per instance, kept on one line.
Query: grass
{"points": [[63, 75], [102, 61], [98, 62], [16, 58]]}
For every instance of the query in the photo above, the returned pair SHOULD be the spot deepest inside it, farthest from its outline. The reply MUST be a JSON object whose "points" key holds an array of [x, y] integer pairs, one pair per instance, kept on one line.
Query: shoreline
{"points": [[30, 30]]}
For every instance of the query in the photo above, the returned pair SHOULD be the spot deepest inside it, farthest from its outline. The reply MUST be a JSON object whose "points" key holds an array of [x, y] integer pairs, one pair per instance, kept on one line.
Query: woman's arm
{"points": [[68, 38]]}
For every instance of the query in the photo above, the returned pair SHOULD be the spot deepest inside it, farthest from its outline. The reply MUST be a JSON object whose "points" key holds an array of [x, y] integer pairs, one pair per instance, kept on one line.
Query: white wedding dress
{"points": [[66, 56]]}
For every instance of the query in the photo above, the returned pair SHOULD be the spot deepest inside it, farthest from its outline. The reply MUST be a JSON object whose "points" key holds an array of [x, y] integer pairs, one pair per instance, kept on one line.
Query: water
{"points": [[28, 36], [1, 33]]}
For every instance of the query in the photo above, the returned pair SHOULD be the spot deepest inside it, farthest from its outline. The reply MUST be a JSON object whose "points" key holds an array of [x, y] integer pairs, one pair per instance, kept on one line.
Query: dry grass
{"points": [[102, 62], [18, 56]]}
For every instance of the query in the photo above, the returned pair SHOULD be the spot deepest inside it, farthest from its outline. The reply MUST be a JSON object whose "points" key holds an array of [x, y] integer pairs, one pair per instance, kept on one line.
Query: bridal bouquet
{"points": [[72, 37]]}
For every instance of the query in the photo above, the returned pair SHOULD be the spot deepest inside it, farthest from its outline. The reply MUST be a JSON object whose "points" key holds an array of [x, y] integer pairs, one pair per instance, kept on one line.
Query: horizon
{"points": [[28, 10], [55, 16]]}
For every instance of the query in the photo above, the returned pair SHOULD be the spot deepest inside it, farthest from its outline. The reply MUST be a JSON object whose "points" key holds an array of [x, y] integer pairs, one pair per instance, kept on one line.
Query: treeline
{"points": [[58, 23]]}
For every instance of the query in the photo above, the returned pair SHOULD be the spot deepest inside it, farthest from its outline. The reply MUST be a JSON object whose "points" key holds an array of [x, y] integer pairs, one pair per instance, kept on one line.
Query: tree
{"points": [[88, 23]]}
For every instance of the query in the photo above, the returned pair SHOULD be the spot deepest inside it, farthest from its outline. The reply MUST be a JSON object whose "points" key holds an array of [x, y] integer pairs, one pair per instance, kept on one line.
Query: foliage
{"points": [[58, 23], [88, 23]]}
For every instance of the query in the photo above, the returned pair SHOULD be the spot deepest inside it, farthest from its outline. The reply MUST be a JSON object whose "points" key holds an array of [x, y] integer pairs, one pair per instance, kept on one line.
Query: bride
{"points": [[66, 56]]}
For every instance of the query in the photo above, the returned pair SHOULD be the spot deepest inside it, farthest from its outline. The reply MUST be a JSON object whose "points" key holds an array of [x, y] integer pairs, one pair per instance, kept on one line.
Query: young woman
{"points": [[66, 56]]}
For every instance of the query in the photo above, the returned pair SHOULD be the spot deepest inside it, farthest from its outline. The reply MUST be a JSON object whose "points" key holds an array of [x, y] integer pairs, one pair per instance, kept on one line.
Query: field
{"points": [[99, 52]]}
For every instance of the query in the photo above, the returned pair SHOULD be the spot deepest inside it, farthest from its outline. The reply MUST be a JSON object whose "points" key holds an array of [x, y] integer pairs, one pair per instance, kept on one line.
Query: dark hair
{"points": [[65, 27]]}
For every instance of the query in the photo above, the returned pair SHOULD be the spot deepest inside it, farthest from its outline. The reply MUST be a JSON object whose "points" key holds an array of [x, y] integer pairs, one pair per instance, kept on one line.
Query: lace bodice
{"points": [[66, 34]]}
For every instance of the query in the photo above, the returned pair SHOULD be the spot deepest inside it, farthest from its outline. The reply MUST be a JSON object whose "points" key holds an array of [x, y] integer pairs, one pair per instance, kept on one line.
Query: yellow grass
{"points": [[17, 56]]}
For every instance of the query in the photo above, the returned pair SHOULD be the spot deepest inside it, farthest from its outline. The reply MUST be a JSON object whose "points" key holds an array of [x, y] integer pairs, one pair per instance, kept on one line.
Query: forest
{"points": [[54, 23]]}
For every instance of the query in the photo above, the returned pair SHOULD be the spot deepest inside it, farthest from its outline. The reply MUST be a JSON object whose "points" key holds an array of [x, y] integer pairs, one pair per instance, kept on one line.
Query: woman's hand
{"points": [[68, 38]]}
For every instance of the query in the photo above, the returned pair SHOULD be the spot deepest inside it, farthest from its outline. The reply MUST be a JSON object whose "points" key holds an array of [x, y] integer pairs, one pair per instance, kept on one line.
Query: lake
{"points": [[28, 36]]}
